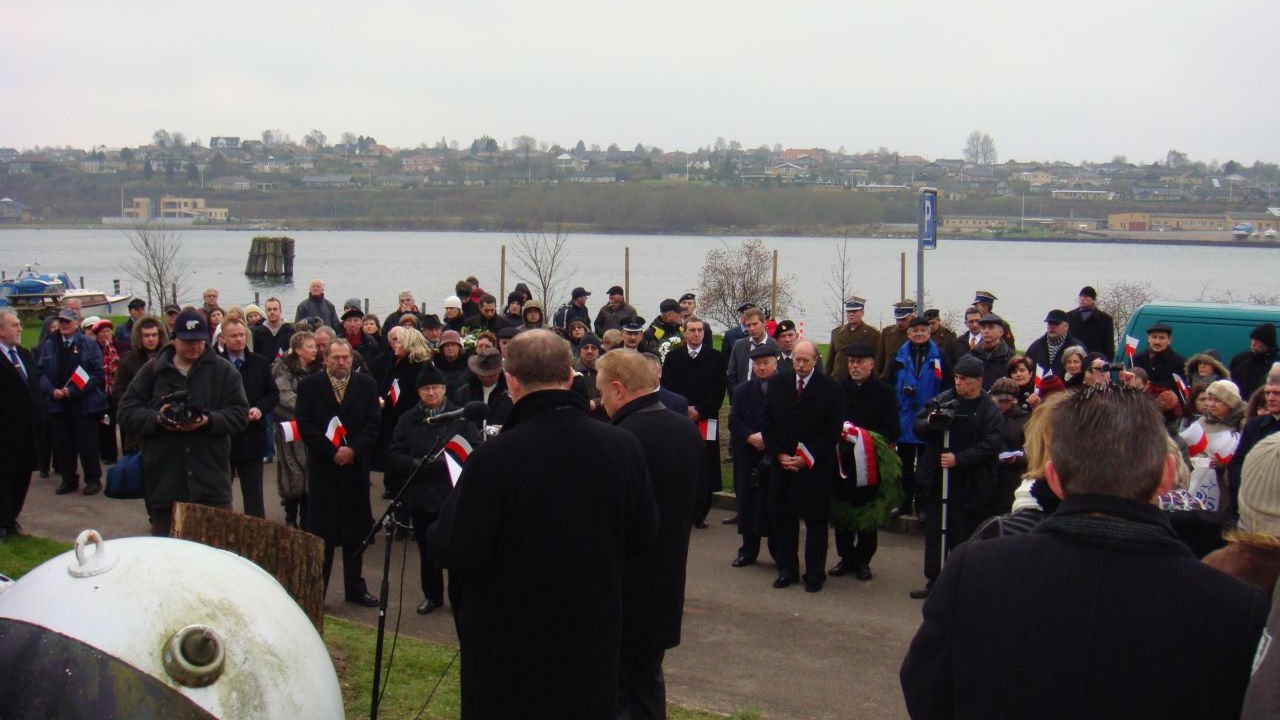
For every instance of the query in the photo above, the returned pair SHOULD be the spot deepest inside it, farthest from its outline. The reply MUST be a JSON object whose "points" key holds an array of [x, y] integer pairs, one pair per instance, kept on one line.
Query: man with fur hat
{"points": [[1249, 369]]}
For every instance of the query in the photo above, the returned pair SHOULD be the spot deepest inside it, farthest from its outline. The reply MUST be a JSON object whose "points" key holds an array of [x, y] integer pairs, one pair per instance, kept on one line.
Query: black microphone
{"points": [[471, 412]]}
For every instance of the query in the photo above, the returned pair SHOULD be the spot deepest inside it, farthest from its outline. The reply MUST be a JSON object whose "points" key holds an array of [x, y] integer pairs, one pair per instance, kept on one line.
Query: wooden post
{"points": [[149, 305], [773, 289], [115, 285], [255, 299], [502, 278], [174, 290], [902, 277], [293, 557], [626, 272]]}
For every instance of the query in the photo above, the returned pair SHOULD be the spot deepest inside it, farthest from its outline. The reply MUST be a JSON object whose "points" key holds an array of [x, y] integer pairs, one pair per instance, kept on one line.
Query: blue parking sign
{"points": [[929, 219]]}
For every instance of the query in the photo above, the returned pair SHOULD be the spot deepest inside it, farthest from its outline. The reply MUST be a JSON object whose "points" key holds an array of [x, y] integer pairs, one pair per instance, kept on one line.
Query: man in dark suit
{"points": [[802, 423], [21, 415], [750, 462], [653, 586], [1075, 617], [696, 370], [250, 447], [338, 416]]}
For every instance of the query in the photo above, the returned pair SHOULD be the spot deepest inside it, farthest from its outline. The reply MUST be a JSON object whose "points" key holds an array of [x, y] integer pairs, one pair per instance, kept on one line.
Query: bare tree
{"points": [[1120, 300], [540, 260], [980, 148], [841, 280], [159, 262], [315, 140], [988, 148], [731, 276]]}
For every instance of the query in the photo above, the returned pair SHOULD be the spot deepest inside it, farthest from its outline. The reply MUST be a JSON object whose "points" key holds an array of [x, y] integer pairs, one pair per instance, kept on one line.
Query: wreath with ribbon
{"points": [[887, 469]]}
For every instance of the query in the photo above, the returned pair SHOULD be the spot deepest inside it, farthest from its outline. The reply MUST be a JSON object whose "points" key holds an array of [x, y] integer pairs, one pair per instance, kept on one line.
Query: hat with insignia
{"points": [[854, 303], [983, 296], [634, 323]]}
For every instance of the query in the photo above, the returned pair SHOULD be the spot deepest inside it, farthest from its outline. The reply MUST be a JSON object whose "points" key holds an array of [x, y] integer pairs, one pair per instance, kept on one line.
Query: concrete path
{"points": [[787, 653]]}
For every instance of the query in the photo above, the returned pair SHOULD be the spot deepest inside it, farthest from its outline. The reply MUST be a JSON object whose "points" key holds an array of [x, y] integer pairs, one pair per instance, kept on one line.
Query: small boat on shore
{"points": [[36, 293]]}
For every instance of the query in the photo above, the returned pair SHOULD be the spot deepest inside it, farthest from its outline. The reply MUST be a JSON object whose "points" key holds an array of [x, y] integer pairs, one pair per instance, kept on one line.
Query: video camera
{"points": [[941, 414], [177, 409]]}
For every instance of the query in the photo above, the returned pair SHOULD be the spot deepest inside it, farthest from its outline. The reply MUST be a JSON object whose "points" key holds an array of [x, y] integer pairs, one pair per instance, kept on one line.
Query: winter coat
{"points": [[1161, 367], [994, 362], [1038, 352], [746, 418], [1084, 585], [1249, 370], [318, 307], [1255, 430], [871, 405], [499, 399], [975, 441], [411, 441], [1253, 557], [1193, 377], [609, 318], [536, 553], [455, 371], [738, 367], [186, 466], [814, 418], [291, 457], [1097, 333], [56, 370], [272, 345], [404, 374], [261, 392], [339, 510], [915, 385]]}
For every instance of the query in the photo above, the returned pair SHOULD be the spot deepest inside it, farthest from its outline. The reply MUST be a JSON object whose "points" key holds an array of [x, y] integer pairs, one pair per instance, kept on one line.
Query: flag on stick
{"points": [[290, 430], [456, 452], [79, 378], [335, 433]]}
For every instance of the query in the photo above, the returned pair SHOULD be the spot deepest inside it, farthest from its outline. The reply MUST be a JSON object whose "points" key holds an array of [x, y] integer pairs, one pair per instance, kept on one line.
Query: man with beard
{"points": [[317, 306], [696, 371], [488, 317], [871, 405], [537, 551], [852, 331], [611, 315], [751, 465], [653, 585], [337, 414]]}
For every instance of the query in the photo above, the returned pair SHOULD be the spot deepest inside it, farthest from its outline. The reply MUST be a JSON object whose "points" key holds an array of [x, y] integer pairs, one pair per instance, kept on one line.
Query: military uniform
{"points": [[841, 338], [891, 339]]}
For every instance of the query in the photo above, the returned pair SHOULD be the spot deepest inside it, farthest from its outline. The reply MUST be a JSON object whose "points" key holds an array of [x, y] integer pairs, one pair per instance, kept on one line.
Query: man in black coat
{"points": [[653, 586], [486, 384], [337, 414], [21, 416], [872, 405], [1092, 327], [414, 441], [801, 427], [1046, 350], [969, 458], [271, 336], [751, 465], [1075, 617], [536, 537], [1159, 359], [1249, 369], [248, 448], [696, 371]]}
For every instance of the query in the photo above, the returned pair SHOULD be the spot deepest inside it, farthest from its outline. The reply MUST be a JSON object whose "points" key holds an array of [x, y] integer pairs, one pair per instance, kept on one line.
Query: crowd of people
{"points": [[989, 439]]}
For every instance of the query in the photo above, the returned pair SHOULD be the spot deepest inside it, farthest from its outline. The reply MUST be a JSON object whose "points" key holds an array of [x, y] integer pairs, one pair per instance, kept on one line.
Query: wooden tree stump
{"points": [[293, 557]]}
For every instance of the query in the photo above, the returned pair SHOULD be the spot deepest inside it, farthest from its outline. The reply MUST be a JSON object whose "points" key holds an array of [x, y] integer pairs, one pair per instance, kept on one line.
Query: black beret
{"points": [[783, 326], [918, 320]]}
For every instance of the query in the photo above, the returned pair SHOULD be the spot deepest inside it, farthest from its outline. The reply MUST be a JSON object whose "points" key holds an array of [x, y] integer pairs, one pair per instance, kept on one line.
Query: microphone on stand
{"points": [[472, 412]]}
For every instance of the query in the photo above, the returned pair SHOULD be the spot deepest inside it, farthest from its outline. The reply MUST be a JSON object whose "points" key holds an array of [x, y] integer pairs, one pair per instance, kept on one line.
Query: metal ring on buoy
{"points": [[100, 561]]}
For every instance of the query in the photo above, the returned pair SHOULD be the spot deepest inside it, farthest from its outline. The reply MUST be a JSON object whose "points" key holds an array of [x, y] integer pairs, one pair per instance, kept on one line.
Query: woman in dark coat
{"points": [[408, 350], [1011, 468], [291, 457]]}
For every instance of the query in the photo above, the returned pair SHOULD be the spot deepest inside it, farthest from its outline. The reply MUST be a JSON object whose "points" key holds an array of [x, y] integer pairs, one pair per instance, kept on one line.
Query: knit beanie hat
{"points": [[1225, 391], [1265, 334], [1260, 487]]}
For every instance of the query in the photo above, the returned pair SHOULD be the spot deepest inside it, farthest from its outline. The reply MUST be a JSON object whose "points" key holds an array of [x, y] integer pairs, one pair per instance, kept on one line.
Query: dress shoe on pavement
{"points": [[730, 520], [67, 486], [701, 524], [862, 572], [92, 488], [428, 605], [841, 568], [921, 594], [364, 599], [743, 561], [812, 586], [783, 581]]}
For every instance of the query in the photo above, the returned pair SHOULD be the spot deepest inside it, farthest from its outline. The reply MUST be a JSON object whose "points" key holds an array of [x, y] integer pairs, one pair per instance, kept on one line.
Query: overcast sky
{"points": [[1049, 81]]}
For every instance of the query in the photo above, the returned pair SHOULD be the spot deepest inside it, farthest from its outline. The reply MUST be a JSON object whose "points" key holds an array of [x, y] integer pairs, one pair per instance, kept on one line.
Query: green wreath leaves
{"points": [[878, 512]]}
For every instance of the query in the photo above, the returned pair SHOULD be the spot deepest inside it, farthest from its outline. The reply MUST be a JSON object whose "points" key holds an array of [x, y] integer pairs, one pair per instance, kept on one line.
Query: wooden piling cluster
{"points": [[270, 257]]}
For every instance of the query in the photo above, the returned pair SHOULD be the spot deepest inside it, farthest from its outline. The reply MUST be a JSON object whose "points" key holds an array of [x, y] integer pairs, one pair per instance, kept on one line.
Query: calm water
{"points": [[1029, 278]]}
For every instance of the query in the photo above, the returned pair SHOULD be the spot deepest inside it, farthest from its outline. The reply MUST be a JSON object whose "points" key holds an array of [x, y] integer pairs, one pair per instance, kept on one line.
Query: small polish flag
{"points": [[279, 353], [335, 433], [79, 378], [937, 368], [106, 419], [290, 430], [1130, 345], [864, 455], [803, 453], [1039, 376], [455, 456], [707, 429], [1222, 446], [1193, 435], [395, 391], [1183, 390]]}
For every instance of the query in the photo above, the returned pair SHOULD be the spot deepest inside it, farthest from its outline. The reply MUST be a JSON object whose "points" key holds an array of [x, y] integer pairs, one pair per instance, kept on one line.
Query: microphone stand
{"points": [[388, 523]]}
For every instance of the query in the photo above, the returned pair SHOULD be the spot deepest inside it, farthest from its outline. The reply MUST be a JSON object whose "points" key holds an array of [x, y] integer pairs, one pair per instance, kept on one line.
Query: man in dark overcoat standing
{"points": [[536, 537], [653, 587], [751, 473], [337, 414], [249, 448], [21, 414], [696, 370], [802, 423]]}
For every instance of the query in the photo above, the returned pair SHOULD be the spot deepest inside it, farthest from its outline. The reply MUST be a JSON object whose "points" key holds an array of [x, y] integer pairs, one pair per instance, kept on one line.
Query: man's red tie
{"points": [[799, 386]]}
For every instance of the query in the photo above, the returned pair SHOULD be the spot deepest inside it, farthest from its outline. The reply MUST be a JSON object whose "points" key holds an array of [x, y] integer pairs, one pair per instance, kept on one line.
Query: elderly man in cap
{"points": [[985, 301], [688, 306], [317, 306], [854, 330], [633, 333], [664, 328], [737, 332], [1092, 327], [1159, 359], [487, 384], [353, 332], [961, 429], [893, 336], [696, 371], [1046, 351], [124, 334], [871, 405], [993, 352], [752, 468], [612, 313], [739, 365], [917, 373], [185, 444], [72, 381]]}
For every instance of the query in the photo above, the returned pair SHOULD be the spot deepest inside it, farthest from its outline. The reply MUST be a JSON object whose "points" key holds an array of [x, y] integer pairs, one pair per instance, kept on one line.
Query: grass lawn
{"points": [[31, 328], [418, 664]]}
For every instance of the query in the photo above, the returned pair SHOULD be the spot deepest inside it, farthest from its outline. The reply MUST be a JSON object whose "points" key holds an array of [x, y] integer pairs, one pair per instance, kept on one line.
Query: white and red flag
{"points": [[937, 368], [708, 429], [395, 391], [1193, 435], [864, 455], [335, 433], [1222, 446], [806, 455], [290, 430], [456, 452], [1183, 391], [79, 378], [1039, 376], [1130, 346]]}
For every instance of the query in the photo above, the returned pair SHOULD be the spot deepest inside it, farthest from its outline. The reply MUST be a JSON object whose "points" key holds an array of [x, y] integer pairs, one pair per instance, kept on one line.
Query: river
{"points": [[1029, 278]]}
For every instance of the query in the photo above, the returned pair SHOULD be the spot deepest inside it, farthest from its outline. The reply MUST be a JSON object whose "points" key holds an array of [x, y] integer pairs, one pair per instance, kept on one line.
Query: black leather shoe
{"points": [[783, 581], [840, 569], [730, 520], [701, 524], [364, 599], [921, 594], [66, 487], [92, 488], [862, 572], [743, 561], [812, 586], [428, 605]]}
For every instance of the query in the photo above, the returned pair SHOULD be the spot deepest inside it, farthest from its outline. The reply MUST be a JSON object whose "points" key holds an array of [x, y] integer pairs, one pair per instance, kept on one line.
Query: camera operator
{"points": [[185, 405], [973, 421]]}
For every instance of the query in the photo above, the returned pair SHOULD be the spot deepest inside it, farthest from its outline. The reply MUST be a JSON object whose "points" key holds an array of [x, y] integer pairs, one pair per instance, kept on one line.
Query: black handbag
{"points": [[124, 479]]}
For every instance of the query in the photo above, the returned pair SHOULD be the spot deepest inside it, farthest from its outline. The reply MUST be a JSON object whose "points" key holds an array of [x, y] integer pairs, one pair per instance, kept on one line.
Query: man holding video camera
{"points": [[961, 429], [185, 405]]}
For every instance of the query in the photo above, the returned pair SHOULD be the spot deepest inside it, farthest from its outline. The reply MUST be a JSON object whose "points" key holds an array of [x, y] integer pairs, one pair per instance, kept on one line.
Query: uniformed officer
{"points": [[892, 337], [852, 331], [985, 300]]}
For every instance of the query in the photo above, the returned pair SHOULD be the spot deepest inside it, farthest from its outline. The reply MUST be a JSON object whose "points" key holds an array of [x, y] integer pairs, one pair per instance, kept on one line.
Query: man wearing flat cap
{"points": [[353, 332], [612, 313], [893, 336], [853, 330], [751, 466], [665, 327], [993, 351], [1046, 351], [73, 385], [1092, 327], [1159, 359]]}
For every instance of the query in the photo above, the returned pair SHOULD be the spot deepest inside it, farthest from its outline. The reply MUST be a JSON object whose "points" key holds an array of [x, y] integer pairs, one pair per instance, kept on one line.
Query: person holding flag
{"points": [[72, 381], [696, 371], [337, 413], [417, 454], [408, 351]]}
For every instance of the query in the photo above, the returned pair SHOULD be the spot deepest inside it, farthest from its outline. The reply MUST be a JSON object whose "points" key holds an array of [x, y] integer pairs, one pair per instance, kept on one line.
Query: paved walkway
{"points": [[787, 653]]}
